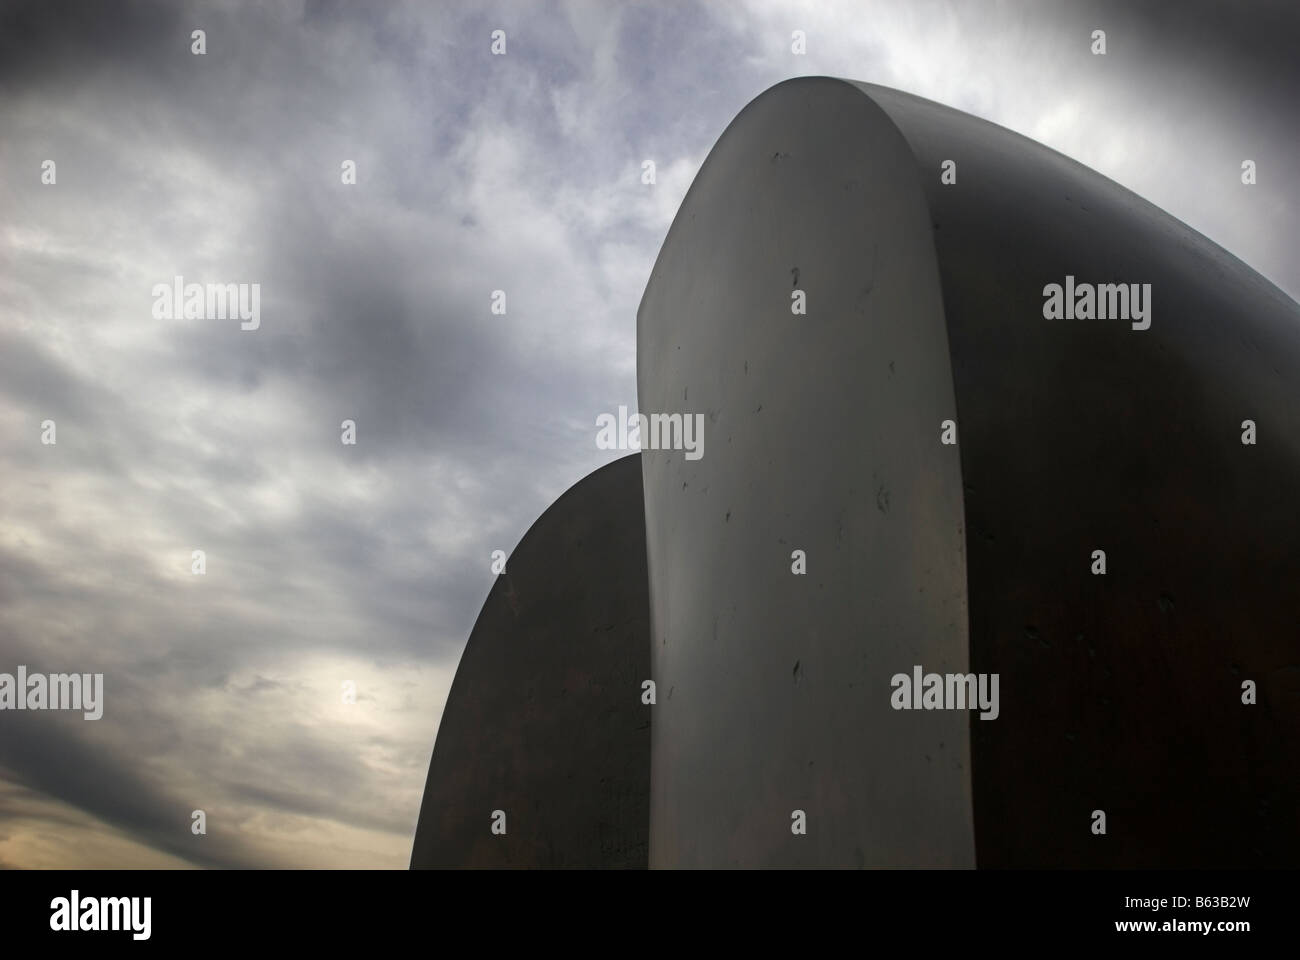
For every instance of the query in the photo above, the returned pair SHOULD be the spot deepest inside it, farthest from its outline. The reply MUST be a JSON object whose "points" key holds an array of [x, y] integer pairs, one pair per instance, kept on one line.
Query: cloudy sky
{"points": [[330, 563]]}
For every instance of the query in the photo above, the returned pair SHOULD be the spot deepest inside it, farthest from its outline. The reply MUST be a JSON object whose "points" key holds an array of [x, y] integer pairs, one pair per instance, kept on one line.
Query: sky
{"points": [[366, 564]]}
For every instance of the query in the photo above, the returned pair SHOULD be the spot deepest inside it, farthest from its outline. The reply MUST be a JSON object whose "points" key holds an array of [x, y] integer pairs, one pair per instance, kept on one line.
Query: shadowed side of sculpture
{"points": [[544, 722], [1122, 691]]}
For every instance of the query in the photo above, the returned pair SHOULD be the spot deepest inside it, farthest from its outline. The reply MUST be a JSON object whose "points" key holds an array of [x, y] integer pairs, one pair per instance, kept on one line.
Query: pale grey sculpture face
{"points": [[822, 437]]}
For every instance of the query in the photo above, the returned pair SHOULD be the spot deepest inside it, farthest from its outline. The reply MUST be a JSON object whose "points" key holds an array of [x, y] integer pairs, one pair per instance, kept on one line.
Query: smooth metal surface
{"points": [[1119, 692], [821, 434], [544, 720]]}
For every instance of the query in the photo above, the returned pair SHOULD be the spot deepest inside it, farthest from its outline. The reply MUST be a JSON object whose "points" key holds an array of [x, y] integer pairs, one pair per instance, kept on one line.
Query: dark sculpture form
{"points": [[544, 722], [1152, 433]]}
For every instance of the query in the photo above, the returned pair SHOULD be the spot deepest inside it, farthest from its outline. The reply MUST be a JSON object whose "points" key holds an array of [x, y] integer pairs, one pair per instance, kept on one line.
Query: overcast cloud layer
{"points": [[329, 563]]}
